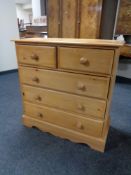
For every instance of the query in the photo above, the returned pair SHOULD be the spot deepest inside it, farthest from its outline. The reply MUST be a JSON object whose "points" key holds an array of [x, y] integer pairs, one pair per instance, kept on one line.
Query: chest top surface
{"points": [[67, 41]]}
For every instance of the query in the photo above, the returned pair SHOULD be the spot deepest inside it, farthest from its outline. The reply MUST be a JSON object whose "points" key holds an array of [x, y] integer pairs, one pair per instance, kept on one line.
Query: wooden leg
{"points": [[25, 123], [99, 146]]}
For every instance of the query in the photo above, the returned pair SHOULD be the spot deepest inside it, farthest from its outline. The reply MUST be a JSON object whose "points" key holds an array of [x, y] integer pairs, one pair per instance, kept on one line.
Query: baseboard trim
{"points": [[125, 80], [8, 71]]}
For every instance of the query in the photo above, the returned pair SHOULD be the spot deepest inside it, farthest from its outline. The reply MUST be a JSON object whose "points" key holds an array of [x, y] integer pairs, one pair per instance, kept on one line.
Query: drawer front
{"points": [[87, 60], [126, 51], [37, 55], [64, 119], [64, 101], [74, 83]]}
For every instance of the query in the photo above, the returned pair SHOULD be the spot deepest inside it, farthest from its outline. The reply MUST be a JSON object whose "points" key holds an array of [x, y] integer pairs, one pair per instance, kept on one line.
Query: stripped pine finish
{"points": [[67, 85]]}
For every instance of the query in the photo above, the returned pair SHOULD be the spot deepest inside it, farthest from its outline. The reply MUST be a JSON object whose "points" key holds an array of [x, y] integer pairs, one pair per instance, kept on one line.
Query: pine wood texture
{"points": [[64, 119], [71, 42], [72, 105], [65, 101], [99, 61], [62, 81], [32, 55], [96, 143], [126, 50]]}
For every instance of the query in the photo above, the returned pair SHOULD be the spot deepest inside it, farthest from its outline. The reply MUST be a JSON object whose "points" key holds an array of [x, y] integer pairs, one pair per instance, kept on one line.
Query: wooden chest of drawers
{"points": [[67, 85]]}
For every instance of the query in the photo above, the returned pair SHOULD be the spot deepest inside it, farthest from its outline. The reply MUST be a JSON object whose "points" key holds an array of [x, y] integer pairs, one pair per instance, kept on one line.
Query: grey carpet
{"points": [[26, 151]]}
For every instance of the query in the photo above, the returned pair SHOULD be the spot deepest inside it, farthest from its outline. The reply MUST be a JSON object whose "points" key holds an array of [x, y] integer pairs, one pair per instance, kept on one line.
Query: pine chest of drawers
{"points": [[67, 85]]}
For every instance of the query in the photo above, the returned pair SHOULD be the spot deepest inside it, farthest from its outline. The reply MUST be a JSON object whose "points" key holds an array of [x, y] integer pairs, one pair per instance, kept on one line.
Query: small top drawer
{"points": [[37, 55], [87, 60]]}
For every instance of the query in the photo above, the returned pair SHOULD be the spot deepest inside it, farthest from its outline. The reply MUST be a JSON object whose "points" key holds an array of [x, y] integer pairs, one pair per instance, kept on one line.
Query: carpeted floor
{"points": [[26, 151]]}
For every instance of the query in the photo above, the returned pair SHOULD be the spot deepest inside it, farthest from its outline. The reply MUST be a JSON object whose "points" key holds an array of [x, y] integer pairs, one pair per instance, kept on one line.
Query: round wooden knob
{"points": [[38, 98], [81, 86], [79, 125], [81, 107], [35, 79], [40, 115], [66, 12], [34, 57], [129, 12], [84, 61]]}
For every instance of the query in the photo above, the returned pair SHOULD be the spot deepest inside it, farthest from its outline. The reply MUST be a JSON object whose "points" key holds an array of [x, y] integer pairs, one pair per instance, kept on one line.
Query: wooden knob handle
{"points": [[81, 86], [40, 115], [81, 107], [35, 57], [38, 98], [35, 79], [84, 61], [129, 12], [79, 125]]}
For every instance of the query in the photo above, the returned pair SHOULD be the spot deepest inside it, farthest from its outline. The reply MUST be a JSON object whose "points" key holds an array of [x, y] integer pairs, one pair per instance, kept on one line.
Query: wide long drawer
{"points": [[64, 119], [65, 101], [74, 83], [87, 60], [37, 55]]}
